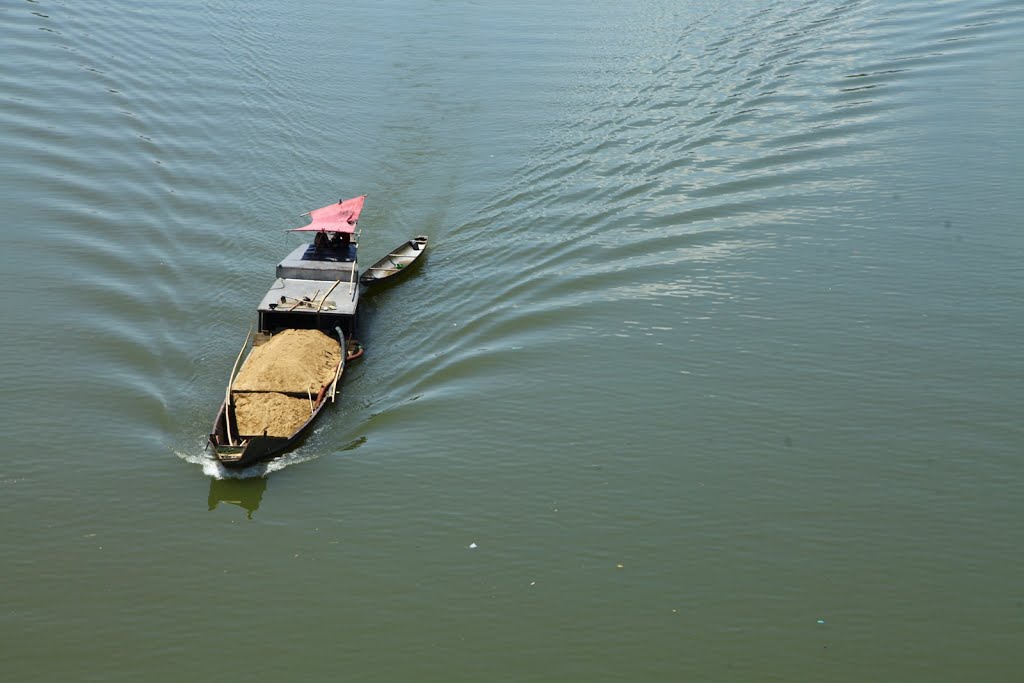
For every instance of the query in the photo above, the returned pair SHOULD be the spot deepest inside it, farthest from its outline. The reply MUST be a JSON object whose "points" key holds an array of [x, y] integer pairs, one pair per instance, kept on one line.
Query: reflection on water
{"points": [[245, 493]]}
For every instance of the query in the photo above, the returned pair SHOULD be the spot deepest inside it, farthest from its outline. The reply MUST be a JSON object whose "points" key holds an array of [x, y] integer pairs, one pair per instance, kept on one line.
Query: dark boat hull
{"points": [[256, 449], [397, 262]]}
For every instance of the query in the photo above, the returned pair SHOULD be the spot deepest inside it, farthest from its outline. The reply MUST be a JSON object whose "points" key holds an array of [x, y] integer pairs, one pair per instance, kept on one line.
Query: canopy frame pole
{"points": [[227, 392], [323, 301], [341, 364]]}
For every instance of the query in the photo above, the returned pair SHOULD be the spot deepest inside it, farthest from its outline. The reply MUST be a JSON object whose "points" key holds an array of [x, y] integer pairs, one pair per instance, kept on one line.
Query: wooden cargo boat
{"points": [[306, 324]]}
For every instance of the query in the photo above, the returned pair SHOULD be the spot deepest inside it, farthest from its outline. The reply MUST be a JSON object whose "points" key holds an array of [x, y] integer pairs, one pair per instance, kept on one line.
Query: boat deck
{"points": [[311, 296], [316, 288]]}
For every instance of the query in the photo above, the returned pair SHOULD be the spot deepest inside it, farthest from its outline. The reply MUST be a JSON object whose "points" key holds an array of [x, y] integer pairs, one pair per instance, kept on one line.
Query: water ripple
{"points": [[663, 159], [703, 156]]}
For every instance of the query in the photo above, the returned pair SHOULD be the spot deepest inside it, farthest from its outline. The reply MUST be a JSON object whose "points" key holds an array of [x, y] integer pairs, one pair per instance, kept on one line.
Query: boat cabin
{"points": [[317, 285]]}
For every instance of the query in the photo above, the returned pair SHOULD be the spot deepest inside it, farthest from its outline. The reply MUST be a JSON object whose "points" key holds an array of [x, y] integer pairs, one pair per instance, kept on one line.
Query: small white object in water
{"points": [[472, 545]]}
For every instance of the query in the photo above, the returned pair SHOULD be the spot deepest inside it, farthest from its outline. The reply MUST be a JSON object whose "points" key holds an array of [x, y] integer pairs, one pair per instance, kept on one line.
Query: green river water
{"points": [[712, 372]]}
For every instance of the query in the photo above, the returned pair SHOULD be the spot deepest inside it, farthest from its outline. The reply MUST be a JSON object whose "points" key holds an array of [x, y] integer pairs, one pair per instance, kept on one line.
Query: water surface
{"points": [[714, 358]]}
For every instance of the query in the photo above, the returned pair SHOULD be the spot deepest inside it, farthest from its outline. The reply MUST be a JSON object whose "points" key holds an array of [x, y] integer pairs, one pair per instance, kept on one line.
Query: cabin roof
{"points": [[306, 262]]}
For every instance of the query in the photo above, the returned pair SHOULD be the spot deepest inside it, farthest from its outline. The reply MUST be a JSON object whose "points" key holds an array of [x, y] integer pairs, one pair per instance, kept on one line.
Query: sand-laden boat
{"points": [[396, 262], [306, 327], [293, 367], [283, 384]]}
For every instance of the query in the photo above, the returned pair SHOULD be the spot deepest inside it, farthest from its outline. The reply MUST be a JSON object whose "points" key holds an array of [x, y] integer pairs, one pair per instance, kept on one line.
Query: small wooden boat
{"points": [[398, 261], [253, 403]]}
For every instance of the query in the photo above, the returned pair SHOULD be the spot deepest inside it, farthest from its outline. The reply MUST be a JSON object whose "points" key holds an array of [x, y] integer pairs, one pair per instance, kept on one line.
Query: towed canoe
{"points": [[398, 261]]}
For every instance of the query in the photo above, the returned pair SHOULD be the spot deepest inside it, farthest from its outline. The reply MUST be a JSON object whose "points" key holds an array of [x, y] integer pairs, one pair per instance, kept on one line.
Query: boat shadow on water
{"points": [[245, 487], [245, 493]]}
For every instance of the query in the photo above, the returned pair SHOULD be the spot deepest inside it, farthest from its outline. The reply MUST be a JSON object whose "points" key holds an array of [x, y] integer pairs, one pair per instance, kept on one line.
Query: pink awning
{"points": [[340, 217]]}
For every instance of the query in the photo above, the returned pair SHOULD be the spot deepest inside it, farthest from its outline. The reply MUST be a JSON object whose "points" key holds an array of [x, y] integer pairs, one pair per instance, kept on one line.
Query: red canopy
{"points": [[340, 217]]}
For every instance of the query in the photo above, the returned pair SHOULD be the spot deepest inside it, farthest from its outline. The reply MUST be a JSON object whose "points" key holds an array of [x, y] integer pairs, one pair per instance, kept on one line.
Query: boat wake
{"points": [[216, 470]]}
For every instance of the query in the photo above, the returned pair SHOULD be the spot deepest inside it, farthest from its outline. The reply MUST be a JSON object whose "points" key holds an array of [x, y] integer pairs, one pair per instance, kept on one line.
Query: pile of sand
{"points": [[290, 362], [277, 414]]}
